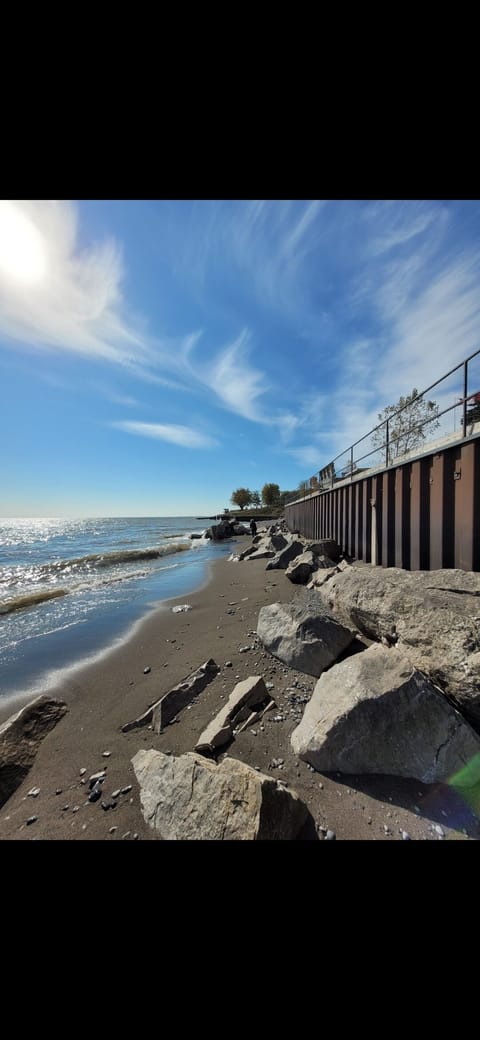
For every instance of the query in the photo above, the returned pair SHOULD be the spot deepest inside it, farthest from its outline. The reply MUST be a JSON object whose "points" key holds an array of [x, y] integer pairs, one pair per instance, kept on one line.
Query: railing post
{"points": [[465, 392], [387, 444], [351, 463]]}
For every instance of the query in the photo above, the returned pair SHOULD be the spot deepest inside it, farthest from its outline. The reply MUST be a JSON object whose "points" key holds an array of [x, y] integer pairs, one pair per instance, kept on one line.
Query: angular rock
{"points": [[376, 713], [300, 568], [432, 615], [282, 559], [325, 547], [261, 554], [164, 710], [320, 577], [252, 692], [303, 634], [20, 737], [191, 798]]}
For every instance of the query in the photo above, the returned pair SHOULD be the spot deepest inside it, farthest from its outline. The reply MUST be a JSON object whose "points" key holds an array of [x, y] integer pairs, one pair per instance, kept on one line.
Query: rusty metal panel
{"points": [[351, 525], [402, 516], [388, 519], [437, 510], [466, 477], [419, 515], [366, 520]]}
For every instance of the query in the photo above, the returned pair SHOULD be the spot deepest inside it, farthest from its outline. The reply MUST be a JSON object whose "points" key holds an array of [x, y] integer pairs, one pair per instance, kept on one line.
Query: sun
{"points": [[22, 250]]}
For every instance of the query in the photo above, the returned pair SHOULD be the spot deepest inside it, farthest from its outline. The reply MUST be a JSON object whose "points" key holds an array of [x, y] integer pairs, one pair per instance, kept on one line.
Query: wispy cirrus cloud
{"points": [[74, 303], [180, 435]]}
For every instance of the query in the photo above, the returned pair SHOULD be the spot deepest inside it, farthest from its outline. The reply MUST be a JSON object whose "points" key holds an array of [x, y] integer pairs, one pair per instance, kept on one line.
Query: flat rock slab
{"points": [[250, 692], [376, 713], [303, 634], [164, 710], [190, 798], [20, 737]]}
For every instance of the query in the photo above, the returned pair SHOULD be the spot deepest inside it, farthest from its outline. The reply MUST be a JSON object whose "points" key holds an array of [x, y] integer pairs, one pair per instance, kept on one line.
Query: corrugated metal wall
{"points": [[422, 515]]}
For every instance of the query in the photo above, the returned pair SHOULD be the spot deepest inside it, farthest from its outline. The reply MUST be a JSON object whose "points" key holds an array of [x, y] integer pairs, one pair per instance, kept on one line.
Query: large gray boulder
{"points": [[303, 634], [20, 737], [191, 798], [375, 713], [326, 547], [300, 569], [434, 616], [282, 559]]}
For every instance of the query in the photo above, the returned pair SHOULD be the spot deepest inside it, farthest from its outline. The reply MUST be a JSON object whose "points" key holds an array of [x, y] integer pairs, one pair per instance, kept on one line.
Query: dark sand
{"points": [[101, 697]]}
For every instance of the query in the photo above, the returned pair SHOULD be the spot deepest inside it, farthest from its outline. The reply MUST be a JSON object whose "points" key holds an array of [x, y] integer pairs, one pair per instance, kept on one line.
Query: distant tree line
{"points": [[270, 496]]}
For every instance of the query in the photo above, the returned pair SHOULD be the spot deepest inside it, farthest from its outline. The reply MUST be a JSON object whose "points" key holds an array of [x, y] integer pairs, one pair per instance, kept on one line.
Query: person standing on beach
{"points": [[253, 528]]}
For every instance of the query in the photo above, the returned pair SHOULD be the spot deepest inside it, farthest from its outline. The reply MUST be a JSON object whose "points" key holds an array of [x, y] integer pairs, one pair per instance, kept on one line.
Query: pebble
{"points": [[95, 793], [96, 778], [83, 771], [135, 837], [147, 670], [31, 819], [405, 836], [126, 835], [125, 790], [439, 830], [116, 793], [330, 836], [59, 790], [253, 732], [228, 664], [75, 808], [106, 754], [270, 685], [34, 792], [108, 805], [112, 830], [65, 808], [244, 649], [321, 787]]}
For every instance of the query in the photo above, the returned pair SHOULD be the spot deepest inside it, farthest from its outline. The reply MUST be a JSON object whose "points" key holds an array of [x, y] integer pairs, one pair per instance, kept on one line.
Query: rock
{"points": [[375, 713], [325, 547], [106, 754], [405, 836], [83, 771], [250, 693], [116, 793], [282, 559], [33, 792], [191, 798], [303, 634], [95, 793], [31, 819], [433, 616], [330, 836], [96, 778], [163, 711], [182, 608], [300, 568], [147, 670], [320, 577], [261, 554], [125, 790], [20, 737]]}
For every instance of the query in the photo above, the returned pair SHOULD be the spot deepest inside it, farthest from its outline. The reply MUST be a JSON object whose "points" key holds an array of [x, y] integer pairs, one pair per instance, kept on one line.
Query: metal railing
{"points": [[326, 478]]}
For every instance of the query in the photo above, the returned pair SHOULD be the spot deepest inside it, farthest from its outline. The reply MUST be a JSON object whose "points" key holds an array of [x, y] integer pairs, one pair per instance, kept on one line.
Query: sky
{"points": [[155, 355]]}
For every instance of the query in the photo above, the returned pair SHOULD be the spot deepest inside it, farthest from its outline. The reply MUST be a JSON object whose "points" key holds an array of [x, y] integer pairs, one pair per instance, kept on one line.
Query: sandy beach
{"points": [[103, 696]]}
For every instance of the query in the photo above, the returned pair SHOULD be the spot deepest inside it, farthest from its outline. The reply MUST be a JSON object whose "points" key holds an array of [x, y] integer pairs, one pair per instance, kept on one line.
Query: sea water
{"points": [[70, 589]]}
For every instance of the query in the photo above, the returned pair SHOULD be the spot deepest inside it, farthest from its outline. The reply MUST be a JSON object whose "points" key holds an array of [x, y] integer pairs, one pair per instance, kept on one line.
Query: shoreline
{"points": [[104, 694], [53, 678]]}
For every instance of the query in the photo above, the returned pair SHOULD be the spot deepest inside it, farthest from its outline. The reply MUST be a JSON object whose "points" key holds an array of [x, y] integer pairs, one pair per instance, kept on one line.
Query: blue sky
{"points": [[156, 355]]}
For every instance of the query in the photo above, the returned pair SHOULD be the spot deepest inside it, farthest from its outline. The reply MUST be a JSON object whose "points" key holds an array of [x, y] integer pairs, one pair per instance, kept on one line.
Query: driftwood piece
{"points": [[162, 711]]}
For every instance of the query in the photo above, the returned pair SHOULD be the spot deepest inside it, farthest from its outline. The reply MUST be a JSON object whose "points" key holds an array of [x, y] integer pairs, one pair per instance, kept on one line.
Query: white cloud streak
{"points": [[183, 436]]}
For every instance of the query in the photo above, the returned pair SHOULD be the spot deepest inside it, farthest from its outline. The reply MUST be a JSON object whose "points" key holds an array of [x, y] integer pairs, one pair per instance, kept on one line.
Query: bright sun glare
{"points": [[22, 250]]}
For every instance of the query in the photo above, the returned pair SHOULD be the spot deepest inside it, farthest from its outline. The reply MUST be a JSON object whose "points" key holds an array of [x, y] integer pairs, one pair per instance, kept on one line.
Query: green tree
{"points": [[405, 431], [270, 494], [241, 497], [255, 499]]}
